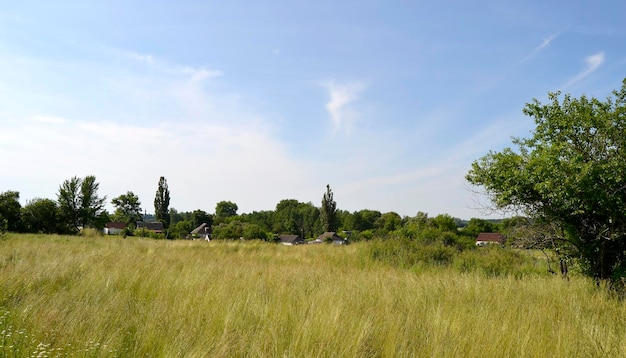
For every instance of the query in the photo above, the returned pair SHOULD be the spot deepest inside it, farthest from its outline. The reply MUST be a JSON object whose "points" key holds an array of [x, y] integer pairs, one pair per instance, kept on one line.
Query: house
{"points": [[114, 228], [156, 227], [331, 236], [202, 232], [289, 240], [488, 238]]}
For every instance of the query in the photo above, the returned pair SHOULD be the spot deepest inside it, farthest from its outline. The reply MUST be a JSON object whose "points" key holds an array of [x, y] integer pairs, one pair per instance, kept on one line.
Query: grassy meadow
{"points": [[63, 296]]}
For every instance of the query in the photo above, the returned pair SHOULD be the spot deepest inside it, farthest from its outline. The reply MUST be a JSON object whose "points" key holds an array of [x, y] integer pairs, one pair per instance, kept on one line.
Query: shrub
{"points": [[497, 261], [405, 253]]}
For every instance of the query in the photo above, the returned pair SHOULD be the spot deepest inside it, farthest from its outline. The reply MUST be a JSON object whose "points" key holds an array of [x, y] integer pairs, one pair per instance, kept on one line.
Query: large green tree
{"points": [[162, 203], [328, 211], [570, 173], [40, 216], [294, 217], [91, 205], [127, 209], [10, 210], [225, 209], [79, 203], [199, 217]]}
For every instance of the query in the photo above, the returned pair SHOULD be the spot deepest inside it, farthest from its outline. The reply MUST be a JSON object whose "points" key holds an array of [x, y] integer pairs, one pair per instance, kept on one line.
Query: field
{"points": [[113, 297]]}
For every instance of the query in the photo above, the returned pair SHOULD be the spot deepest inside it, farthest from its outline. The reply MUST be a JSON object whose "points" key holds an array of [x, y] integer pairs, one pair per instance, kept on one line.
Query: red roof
{"points": [[115, 225], [490, 236]]}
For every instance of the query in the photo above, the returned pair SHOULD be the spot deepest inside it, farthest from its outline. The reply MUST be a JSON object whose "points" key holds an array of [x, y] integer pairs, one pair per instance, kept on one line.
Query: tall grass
{"points": [[108, 296]]}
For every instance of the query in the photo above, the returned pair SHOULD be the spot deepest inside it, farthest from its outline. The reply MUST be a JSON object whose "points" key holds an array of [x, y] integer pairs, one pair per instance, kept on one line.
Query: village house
{"points": [[490, 238], [331, 236], [114, 228], [202, 232], [156, 227], [289, 240]]}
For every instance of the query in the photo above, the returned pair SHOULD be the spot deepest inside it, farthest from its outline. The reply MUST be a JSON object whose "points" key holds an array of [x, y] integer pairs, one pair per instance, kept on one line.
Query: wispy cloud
{"points": [[544, 44], [592, 62], [339, 106]]}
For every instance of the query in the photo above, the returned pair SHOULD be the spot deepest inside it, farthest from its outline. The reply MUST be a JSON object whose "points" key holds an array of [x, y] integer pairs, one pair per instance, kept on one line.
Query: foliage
{"points": [[127, 209], [475, 226], [388, 222], [225, 209], [237, 229], [181, 229], [572, 173], [497, 261], [294, 217], [40, 216], [143, 232], [10, 210], [79, 204], [362, 220], [162, 203], [404, 253], [264, 219], [91, 205], [199, 217], [328, 211]]}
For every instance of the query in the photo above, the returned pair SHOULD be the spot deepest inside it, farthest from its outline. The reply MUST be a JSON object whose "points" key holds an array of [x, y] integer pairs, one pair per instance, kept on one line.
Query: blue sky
{"points": [[389, 102]]}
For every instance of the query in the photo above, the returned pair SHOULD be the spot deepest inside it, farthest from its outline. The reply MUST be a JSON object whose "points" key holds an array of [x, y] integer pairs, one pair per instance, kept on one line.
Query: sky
{"points": [[388, 102]]}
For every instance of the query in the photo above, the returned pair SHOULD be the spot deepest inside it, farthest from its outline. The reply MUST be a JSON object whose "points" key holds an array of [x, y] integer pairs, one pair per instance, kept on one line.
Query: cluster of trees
{"points": [[78, 205]]}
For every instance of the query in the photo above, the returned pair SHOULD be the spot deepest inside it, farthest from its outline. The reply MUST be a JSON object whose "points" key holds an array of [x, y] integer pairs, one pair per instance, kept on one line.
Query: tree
{"points": [[10, 209], [475, 226], [40, 216], [294, 217], [68, 198], [225, 209], [79, 204], [328, 211], [91, 206], [127, 208], [162, 203], [571, 173], [199, 217], [388, 221], [444, 222]]}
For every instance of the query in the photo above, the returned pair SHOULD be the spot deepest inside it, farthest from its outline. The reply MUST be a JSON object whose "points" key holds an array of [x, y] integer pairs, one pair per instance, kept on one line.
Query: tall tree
{"points": [[162, 203], [68, 198], [127, 208], [328, 211], [91, 205], [225, 209], [79, 203], [10, 209], [571, 173]]}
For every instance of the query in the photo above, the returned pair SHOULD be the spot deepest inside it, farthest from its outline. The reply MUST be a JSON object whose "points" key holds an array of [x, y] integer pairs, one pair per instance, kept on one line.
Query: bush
{"points": [[405, 253], [497, 261], [143, 232]]}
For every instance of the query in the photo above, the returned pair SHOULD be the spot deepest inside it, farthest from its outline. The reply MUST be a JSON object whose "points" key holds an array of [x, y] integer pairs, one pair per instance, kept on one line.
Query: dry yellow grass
{"points": [[92, 297]]}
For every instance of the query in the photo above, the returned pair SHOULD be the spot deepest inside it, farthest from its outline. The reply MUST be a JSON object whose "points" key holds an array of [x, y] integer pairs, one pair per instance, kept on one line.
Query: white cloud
{"points": [[203, 163], [342, 96], [592, 62]]}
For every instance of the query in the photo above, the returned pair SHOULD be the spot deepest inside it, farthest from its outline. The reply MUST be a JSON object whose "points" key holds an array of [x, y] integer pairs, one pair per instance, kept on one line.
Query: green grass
{"points": [[108, 296]]}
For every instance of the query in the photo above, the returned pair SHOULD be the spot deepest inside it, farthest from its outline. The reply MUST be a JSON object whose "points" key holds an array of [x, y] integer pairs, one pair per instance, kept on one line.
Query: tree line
{"points": [[78, 206]]}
